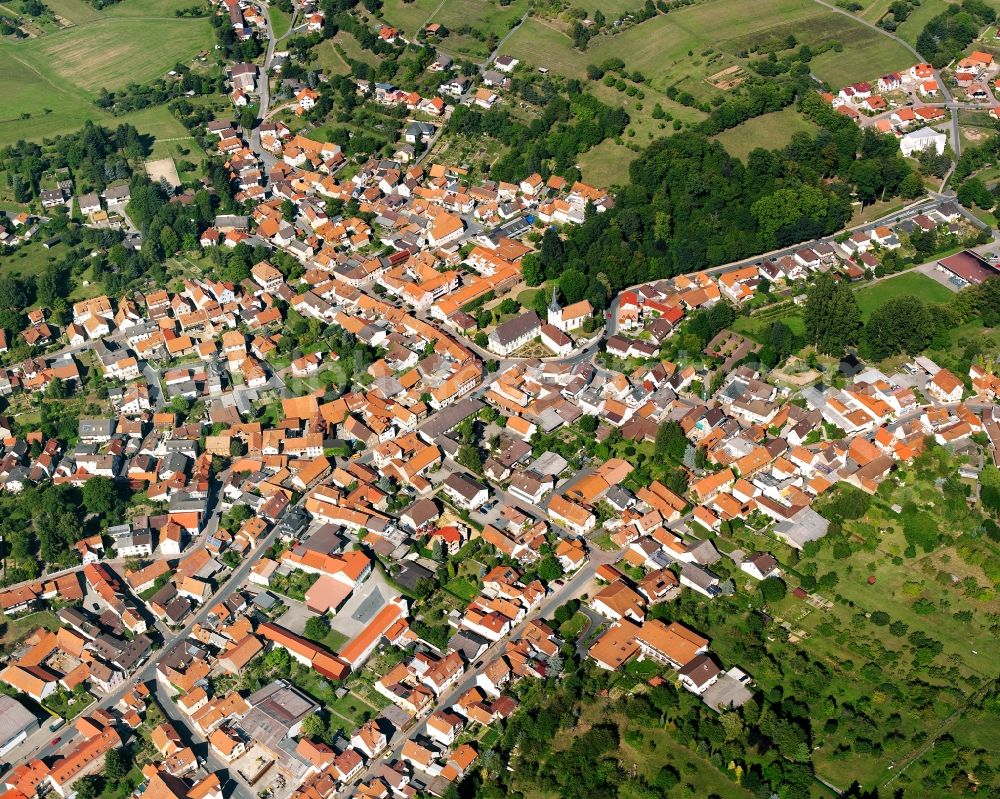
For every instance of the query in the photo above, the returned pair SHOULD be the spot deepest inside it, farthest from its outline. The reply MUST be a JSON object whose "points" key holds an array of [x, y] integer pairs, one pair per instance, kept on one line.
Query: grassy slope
{"points": [[769, 131], [55, 78], [660, 46]]}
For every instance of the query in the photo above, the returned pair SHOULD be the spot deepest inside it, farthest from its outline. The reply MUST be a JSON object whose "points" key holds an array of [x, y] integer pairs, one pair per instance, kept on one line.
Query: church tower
{"points": [[555, 312]]}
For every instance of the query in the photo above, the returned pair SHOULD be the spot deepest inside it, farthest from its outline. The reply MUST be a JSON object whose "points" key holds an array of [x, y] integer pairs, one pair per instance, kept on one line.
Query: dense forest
{"points": [[691, 205], [566, 128]]}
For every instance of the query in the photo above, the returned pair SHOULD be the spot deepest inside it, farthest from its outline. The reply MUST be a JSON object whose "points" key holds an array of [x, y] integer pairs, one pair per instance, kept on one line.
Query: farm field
{"points": [[684, 47], [51, 81], [770, 131], [110, 53]]}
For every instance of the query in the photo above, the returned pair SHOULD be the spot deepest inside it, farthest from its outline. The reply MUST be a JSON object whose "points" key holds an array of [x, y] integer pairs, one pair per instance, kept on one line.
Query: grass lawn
{"points": [[281, 21], [570, 630], [464, 589], [770, 131], [607, 164], [918, 284], [15, 629], [334, 640], [32, 259], [353, 707], [875, 210], [329, 59]]}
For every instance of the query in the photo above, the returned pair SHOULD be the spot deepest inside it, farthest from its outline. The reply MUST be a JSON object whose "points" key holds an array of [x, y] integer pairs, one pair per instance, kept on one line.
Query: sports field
{"points": [[51, 82], [919, 285], [684, 47]]}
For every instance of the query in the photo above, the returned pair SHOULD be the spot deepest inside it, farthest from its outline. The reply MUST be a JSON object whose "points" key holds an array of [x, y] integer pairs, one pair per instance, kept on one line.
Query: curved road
{"points": [[956, 143]]}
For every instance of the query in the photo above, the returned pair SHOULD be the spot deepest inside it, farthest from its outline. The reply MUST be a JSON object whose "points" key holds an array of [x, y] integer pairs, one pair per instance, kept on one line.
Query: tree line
{"points": [[94, 155], [946, 36], [691, 205]]}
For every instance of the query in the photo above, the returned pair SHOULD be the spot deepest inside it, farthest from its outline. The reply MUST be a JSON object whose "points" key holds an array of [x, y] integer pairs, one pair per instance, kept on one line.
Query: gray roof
{"points": [[806, 525], [463, 485], [449, 418], [14, 718], [92, 428], [515, 328]]}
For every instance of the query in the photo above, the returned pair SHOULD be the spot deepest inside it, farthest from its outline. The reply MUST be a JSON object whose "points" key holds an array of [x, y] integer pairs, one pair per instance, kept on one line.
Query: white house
{"points": [[922, 139], [760, 566]]}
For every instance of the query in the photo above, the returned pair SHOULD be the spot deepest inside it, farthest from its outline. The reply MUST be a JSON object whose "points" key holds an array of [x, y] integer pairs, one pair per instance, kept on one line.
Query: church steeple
{"points": [[555, 312]]}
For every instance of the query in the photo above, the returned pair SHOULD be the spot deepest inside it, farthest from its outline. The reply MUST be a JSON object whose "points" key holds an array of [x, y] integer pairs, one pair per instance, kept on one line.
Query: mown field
{"points": [[770, 131], [915, 283], [51, 82]]}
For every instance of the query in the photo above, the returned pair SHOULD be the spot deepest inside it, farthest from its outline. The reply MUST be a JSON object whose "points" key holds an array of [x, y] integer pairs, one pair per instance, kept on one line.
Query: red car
{"points": [[55, 740]]}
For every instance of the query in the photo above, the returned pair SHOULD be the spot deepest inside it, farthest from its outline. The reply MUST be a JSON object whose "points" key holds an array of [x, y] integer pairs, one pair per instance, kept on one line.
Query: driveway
{"points": [[296, 616], [363, 604], [938, 276]]}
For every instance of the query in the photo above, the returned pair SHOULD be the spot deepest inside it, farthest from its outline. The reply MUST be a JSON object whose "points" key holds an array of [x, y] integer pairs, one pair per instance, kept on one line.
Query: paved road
{"points": [[264, 95]]}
